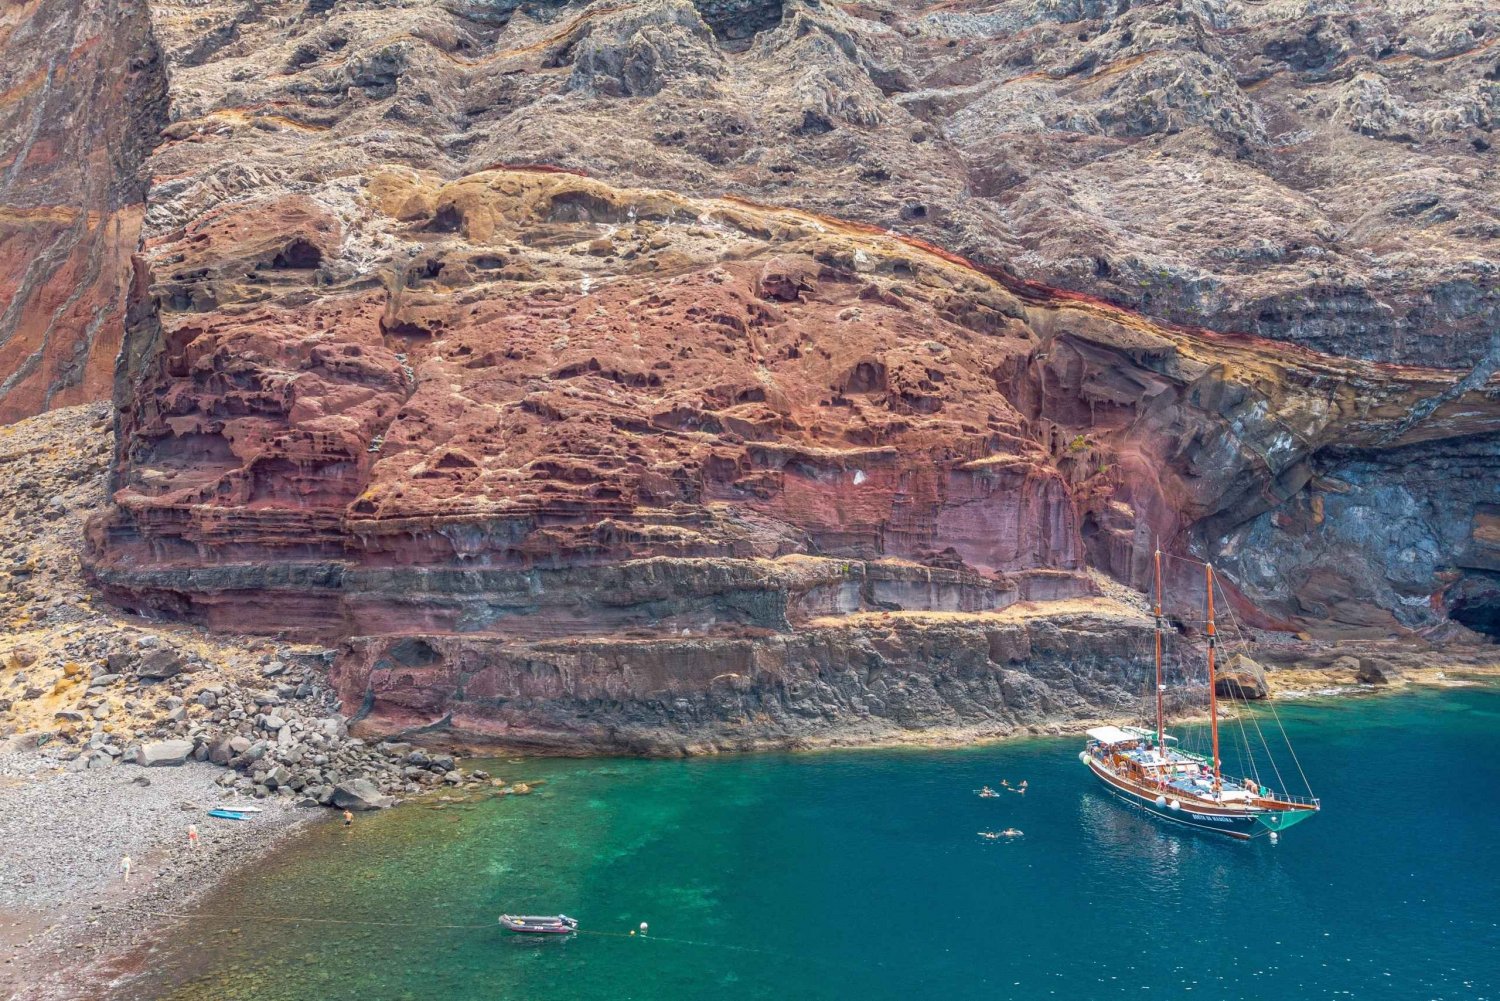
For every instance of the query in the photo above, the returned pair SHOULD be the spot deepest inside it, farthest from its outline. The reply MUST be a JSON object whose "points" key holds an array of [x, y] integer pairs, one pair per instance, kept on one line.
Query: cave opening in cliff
{"points": [[735, 23], [414, 652], [1475, 602], [298, 255]]}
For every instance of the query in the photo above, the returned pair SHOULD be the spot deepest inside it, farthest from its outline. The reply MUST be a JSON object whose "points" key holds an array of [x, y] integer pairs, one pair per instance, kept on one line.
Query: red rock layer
{"points": [[533, 374], [553, 374], [543, 409], [81, 95]]}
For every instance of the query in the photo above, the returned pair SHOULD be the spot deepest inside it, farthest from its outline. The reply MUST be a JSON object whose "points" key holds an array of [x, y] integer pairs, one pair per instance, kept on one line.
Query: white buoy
{"points": [[1161, 801], [643, 927], [1175, 805], [1275, 837]]}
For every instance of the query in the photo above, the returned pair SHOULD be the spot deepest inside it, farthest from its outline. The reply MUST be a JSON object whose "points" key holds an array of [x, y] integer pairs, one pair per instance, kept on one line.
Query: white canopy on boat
{"points": [[1112, 735], [1142, 732]]}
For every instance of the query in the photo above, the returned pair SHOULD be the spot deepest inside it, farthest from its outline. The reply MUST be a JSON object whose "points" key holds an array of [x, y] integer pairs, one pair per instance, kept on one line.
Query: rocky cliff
{"points": [[1321, 176], [82, 95], [552, 452], [766, 338]]}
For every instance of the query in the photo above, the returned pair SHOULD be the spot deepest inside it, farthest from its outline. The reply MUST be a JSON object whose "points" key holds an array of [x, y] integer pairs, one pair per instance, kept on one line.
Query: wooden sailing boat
{"points": [[1146, 769]]}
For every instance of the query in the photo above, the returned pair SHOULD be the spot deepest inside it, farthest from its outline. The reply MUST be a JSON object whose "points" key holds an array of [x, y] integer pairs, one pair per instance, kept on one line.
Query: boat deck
{"points": [[1185, 774]]}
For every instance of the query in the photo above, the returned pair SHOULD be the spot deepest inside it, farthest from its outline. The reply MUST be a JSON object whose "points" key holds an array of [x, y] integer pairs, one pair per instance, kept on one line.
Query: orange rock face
{"points": [[81, 92]]}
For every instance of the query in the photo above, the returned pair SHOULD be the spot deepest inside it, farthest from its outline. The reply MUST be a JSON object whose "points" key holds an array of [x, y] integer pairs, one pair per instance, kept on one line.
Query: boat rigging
{"points": [[1150, 770]]}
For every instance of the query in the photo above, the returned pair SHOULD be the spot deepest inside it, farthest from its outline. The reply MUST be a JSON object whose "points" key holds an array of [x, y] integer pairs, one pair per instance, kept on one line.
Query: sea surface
{"points": [[862, 875]]}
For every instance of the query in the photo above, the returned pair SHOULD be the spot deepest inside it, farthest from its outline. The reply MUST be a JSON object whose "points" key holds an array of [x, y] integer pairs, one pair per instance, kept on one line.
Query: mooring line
{"points": [[291, 919], [285, 919]]}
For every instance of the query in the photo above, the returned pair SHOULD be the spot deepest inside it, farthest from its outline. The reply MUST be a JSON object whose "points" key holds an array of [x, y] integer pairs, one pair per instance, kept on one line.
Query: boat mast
{"points": [[1157, 611], [1213, 699]]}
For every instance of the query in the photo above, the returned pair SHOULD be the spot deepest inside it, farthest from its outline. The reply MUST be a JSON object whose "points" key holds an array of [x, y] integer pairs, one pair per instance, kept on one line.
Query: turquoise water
{"points": [[861, 875]]}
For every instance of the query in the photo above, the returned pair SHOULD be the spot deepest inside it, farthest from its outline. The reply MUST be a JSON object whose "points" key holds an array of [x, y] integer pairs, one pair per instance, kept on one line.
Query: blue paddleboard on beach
{"points": [[228, 815]]}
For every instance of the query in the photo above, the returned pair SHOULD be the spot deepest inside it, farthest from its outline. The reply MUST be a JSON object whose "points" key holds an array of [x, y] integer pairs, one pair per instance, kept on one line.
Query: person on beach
{"points": [[192, 837], [348, 819], [125, 865]]}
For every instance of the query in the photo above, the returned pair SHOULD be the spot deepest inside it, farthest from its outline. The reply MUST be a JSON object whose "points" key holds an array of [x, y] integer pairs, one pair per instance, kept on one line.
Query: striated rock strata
{"points": [[82, 95], [577, 464], [1323, 176], [848, 679], [578, 434]]}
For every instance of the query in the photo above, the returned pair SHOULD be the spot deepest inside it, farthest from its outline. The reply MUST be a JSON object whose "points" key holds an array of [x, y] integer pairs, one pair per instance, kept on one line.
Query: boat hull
{"points": [[532, 925], [1241, 827]]}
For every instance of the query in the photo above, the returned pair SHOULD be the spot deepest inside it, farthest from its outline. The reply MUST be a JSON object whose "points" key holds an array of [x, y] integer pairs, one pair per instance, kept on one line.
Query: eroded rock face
{"points": [[540, 376], [540, 443], [380, 387], [853, 679], [1316, 176], [82, 95]]}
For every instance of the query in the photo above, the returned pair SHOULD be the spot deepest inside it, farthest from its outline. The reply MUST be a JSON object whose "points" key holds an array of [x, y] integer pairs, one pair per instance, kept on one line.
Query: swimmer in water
{"points": [[1020, 788], [987, 793]]}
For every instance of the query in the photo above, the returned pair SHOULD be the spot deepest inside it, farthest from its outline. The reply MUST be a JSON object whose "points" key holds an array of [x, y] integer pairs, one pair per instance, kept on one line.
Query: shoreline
{"points": [[1287, 685], [70, 926], [84, 933]]}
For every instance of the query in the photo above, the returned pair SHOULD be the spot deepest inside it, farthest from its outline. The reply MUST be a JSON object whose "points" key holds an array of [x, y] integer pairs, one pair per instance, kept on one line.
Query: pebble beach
{"points": [[117, 732], [68, 916]]}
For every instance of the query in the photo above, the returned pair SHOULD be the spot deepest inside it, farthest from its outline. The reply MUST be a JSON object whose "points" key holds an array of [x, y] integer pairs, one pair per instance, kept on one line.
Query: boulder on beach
{"points": [[19, 742], [97, 759], [359, 794], [221, 750], [159, 664], [1242, 678], [163, 752]]}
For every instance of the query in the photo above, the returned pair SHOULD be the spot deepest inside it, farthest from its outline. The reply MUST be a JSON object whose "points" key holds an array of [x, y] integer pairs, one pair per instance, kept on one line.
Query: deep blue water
{"points": [[861, 875]]}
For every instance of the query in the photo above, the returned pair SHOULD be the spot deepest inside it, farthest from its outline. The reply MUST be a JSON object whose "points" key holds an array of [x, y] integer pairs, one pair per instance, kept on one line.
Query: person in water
{"points": [[1020, 788]]}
